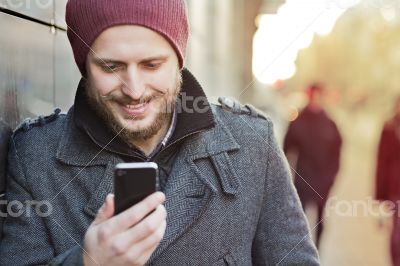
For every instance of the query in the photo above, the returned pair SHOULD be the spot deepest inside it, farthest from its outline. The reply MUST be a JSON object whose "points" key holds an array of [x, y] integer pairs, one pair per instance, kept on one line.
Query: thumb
{"points": [[106, 211]]}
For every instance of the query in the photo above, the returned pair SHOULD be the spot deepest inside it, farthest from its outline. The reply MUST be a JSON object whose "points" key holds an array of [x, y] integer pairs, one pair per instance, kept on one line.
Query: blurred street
{"points": [[356, 240]]}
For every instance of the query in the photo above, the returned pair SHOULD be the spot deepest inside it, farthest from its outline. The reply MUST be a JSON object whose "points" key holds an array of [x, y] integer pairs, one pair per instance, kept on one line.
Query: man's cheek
{"points": [[158, 105], [106, 84]]}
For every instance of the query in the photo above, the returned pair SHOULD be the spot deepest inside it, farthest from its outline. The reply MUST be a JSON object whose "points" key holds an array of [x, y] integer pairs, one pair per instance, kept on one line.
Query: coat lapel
{"points": [[193, 182], [105, 187], [78, 150]]}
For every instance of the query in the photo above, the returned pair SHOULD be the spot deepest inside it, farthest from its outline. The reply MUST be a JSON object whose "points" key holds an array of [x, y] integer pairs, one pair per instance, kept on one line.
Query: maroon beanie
{"points": [[86, 19]]}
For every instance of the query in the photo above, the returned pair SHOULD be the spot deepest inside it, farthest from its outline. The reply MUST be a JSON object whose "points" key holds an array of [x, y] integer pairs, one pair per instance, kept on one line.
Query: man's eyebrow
{"points": [[102, 61], [155, 58]]}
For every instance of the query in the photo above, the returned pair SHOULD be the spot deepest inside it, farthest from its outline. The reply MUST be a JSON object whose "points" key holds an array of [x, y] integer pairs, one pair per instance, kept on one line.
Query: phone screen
{"points": [[133, 182]]}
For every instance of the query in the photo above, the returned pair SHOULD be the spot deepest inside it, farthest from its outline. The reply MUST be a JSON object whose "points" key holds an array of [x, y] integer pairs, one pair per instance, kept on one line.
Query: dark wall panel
{"points": [[38, 9], [66, 72], [26, 69], [59, 13], [37, 68]]}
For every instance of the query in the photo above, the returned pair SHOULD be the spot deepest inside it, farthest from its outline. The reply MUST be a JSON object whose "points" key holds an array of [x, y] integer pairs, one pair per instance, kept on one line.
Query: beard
{"points": [[167, 100]]}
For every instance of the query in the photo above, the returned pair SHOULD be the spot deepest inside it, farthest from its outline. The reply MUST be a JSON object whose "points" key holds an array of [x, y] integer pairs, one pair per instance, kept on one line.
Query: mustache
{"points": [[126, 99]]}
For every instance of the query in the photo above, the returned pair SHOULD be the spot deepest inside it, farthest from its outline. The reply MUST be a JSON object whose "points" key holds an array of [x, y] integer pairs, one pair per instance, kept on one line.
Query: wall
{"points": [[220, 46], [37, 72]]}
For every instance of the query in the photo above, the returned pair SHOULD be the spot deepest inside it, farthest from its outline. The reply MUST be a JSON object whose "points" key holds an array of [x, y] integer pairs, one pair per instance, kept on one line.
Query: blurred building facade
{"points": [[37, 71], [220, 46]]}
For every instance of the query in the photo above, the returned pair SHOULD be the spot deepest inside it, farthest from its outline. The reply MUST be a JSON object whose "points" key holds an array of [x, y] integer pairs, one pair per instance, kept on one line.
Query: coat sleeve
{"points": [[282, 235], [25, 237]]}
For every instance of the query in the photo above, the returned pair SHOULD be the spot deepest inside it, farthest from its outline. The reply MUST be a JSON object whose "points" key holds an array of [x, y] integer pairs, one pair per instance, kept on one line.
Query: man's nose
{"points": [[134, 85]]}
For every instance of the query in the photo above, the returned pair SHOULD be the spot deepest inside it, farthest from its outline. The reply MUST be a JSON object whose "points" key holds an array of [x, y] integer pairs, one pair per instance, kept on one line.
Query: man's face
{"points": [[133, 80]]}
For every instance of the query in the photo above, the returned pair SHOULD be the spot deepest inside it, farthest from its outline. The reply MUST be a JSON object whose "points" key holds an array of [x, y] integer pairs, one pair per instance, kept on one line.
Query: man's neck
{"points": [[149, 145]]}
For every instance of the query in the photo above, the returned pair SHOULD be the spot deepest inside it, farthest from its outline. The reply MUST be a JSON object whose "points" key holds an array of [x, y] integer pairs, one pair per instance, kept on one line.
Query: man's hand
{"points": [[127, 238]]}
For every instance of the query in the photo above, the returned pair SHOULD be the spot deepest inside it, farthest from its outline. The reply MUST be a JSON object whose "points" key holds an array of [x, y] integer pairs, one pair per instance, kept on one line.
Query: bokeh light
{"points": [[280, 36]]}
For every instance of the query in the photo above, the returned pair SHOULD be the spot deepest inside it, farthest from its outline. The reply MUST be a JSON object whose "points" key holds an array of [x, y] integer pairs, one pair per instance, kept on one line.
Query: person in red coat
{"points": [[388, 175], [312, 145]]}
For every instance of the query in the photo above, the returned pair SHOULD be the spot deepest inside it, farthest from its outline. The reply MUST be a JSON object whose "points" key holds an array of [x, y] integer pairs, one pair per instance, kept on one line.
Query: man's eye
{"points": [[110, 68], [152, 65]]}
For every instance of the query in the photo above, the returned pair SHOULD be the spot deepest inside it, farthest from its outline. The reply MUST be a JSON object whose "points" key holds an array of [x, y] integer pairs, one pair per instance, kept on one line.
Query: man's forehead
{"points": [[132, 38]]}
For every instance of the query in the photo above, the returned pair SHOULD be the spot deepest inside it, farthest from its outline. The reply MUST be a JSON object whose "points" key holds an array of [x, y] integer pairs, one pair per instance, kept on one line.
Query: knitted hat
{"points": [[86, 19]]}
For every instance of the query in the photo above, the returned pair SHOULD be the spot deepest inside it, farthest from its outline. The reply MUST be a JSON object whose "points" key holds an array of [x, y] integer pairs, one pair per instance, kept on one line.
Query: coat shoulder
{"points": [[242, 120], [40, 121], [39, 133], [235, 107]]}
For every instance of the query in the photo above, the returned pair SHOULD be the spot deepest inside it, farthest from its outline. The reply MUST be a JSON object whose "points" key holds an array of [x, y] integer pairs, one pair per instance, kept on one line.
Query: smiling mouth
{"points": [[135, 110], [136, 106], [139, 105]]}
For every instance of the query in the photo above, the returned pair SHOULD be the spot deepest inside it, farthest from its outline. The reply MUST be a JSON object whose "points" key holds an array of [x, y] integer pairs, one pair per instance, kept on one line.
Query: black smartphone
{"points": [[133, 182]]}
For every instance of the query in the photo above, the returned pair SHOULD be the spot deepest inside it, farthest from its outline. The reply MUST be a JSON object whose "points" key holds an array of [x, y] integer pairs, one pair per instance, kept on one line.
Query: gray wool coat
{"points": [[230, 197]]}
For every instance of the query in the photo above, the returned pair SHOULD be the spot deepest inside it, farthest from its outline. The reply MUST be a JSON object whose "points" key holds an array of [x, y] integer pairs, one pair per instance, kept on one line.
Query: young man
{"points": [[226, 187]]}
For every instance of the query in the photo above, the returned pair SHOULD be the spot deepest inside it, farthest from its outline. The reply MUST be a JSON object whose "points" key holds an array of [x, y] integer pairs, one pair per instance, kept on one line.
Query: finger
{"points": [[136, 213], [148, 245], [106, 211], [142, 230]]}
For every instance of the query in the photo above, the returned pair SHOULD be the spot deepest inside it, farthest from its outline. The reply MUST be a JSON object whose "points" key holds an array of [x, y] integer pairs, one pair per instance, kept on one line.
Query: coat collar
{"points": [[80, 147], [76, 147], [202, 169]]}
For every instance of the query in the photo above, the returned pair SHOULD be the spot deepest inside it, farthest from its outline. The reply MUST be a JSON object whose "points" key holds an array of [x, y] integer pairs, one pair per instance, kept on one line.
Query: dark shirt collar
{"points": [[167, 136], [188, 120]]}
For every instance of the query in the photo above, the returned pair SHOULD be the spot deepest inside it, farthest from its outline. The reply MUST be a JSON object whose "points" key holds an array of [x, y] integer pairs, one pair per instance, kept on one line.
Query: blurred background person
{"points": [[312, 145], [388, 175]]}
